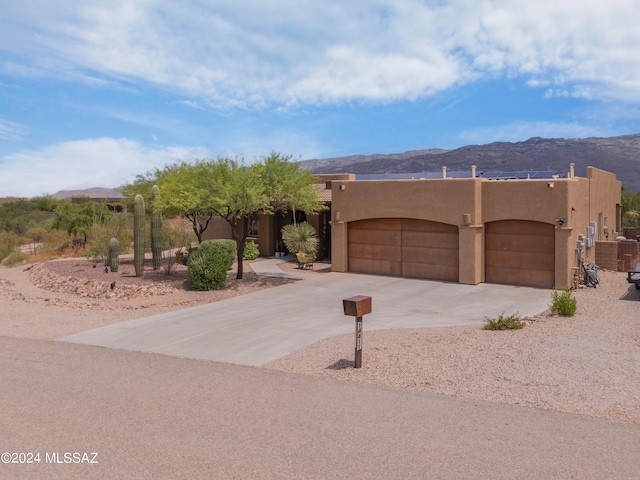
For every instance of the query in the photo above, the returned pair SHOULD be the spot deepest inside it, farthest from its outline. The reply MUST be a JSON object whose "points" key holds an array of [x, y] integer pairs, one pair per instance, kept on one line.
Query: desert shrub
{"points": [[175, 238], [4, 251], [511, 322], [208, 268], [300, 238], [227, 244], [251, 251], [11, 240], [15, 258], [563, 303]]}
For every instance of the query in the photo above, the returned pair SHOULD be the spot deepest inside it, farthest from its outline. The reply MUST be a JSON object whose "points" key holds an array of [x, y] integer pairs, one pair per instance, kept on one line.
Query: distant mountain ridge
{"points": [[96, 192], [619, 155]]}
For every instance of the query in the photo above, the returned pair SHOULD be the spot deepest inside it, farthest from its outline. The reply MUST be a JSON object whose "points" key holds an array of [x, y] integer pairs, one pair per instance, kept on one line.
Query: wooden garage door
{"points": [[519, 252], [404, 248]]}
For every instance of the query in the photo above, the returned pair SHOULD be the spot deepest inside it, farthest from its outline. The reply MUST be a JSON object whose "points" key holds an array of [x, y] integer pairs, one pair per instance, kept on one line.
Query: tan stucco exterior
{"points": [[471, 203]]}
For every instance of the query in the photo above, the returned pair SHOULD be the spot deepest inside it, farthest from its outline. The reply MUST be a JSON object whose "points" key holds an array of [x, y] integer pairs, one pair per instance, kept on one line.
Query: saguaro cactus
{"points": [[138, 234], [156, 230], [114, 252]]}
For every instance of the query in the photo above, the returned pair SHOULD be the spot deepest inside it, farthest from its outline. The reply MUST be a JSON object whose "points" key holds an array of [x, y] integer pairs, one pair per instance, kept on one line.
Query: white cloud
{"points": [[11, 130], [255, 53], [99, 162], [111, 162]]}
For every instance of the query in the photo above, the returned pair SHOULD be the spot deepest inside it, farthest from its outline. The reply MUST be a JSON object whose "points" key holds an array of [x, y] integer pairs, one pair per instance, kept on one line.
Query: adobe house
{"points": [[473, 230]]}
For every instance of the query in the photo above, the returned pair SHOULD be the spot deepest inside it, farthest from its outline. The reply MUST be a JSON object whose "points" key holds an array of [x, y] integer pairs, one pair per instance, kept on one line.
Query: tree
{"points": [[287, 186], [230, 190], [237, 192], [630, 208], [81, 219], [186, 192]]}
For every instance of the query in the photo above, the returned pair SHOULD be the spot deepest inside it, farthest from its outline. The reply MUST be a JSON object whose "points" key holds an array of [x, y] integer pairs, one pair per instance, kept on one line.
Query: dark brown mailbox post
{"points": [[357, 307]]}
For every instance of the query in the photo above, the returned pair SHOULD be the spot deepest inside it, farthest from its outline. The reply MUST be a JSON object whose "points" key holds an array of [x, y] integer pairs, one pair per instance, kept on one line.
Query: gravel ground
{"points": [[588, 364]]}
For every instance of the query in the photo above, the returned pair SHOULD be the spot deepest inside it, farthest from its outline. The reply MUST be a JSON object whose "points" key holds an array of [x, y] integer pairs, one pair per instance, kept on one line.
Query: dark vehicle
{"points": [[634, 277]]}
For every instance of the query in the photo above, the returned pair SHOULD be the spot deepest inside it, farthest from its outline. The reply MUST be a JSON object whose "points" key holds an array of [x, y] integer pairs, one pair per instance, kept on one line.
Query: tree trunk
{"points": [[196, 228], [240, 242], [240, 245]]}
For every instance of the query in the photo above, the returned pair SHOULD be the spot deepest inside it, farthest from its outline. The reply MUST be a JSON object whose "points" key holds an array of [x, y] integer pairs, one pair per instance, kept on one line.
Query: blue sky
{"points": [[94, 92]]}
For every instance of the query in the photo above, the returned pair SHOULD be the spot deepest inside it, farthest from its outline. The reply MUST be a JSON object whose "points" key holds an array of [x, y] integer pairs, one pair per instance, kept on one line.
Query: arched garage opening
{"points": [[404, 247], [520, 252]]}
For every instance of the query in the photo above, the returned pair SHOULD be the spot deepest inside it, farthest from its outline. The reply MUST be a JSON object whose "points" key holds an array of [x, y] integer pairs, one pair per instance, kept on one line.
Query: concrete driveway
{"points": [[263, 326]]}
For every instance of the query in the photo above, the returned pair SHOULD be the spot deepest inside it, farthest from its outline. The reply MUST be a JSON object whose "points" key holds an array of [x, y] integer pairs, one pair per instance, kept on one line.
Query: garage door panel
{"points": [[430, 271], [521, 243], [393, 224], [411, 225], [519, 252], [521, 227], [375, 237], [379, 267], [375, 252], [432, 256], [510, 276], [430, 239], [522, 260]]}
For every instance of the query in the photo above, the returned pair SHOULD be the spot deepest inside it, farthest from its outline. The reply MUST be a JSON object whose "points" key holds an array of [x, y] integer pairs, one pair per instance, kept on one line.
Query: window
{"points": [[253, 225]]}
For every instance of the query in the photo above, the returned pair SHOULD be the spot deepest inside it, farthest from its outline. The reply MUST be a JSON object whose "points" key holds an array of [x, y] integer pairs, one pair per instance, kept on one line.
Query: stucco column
{"points": [[470, 253], [565, 257], [339, 247]]}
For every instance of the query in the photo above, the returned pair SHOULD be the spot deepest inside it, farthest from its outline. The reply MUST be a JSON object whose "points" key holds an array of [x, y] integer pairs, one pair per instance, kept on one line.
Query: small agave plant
{"points": [[300, 238]]}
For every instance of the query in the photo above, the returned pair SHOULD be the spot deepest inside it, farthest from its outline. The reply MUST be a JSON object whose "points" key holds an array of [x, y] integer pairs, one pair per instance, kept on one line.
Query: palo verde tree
{"points": [[186, 192], [237, 192], [287, 186]]}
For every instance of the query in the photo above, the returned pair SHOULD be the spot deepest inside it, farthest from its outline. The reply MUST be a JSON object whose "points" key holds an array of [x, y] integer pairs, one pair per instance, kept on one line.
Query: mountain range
{"points": [[619, 155], [96, 192]]}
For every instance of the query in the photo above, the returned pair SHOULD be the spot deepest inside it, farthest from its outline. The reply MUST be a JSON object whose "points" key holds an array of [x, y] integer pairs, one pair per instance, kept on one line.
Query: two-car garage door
{"points": [[404, 247]]}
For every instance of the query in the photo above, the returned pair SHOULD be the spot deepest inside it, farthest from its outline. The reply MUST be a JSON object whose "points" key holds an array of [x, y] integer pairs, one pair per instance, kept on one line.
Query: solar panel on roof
{"points": [[515, 175]]}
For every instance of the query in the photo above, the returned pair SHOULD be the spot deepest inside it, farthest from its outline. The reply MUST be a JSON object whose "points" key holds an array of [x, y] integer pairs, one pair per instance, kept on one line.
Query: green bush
{"points": [[228, 245], [15, 258], [563, 303], [251, 251], [512, 322], [208, 268]]}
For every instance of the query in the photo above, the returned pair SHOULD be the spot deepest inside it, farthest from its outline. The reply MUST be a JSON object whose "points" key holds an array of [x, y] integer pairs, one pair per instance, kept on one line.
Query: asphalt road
{"points": [[154, 416]]}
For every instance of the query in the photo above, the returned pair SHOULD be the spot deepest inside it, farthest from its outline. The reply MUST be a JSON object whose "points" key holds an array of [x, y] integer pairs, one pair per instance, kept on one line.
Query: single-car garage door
{"points": [[405, 248], [519, 252]]}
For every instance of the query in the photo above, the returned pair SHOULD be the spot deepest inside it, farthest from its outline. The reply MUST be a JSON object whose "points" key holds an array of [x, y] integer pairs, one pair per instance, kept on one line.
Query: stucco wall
{"points": [[440, 200], [471, 203], [603, 188]]}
